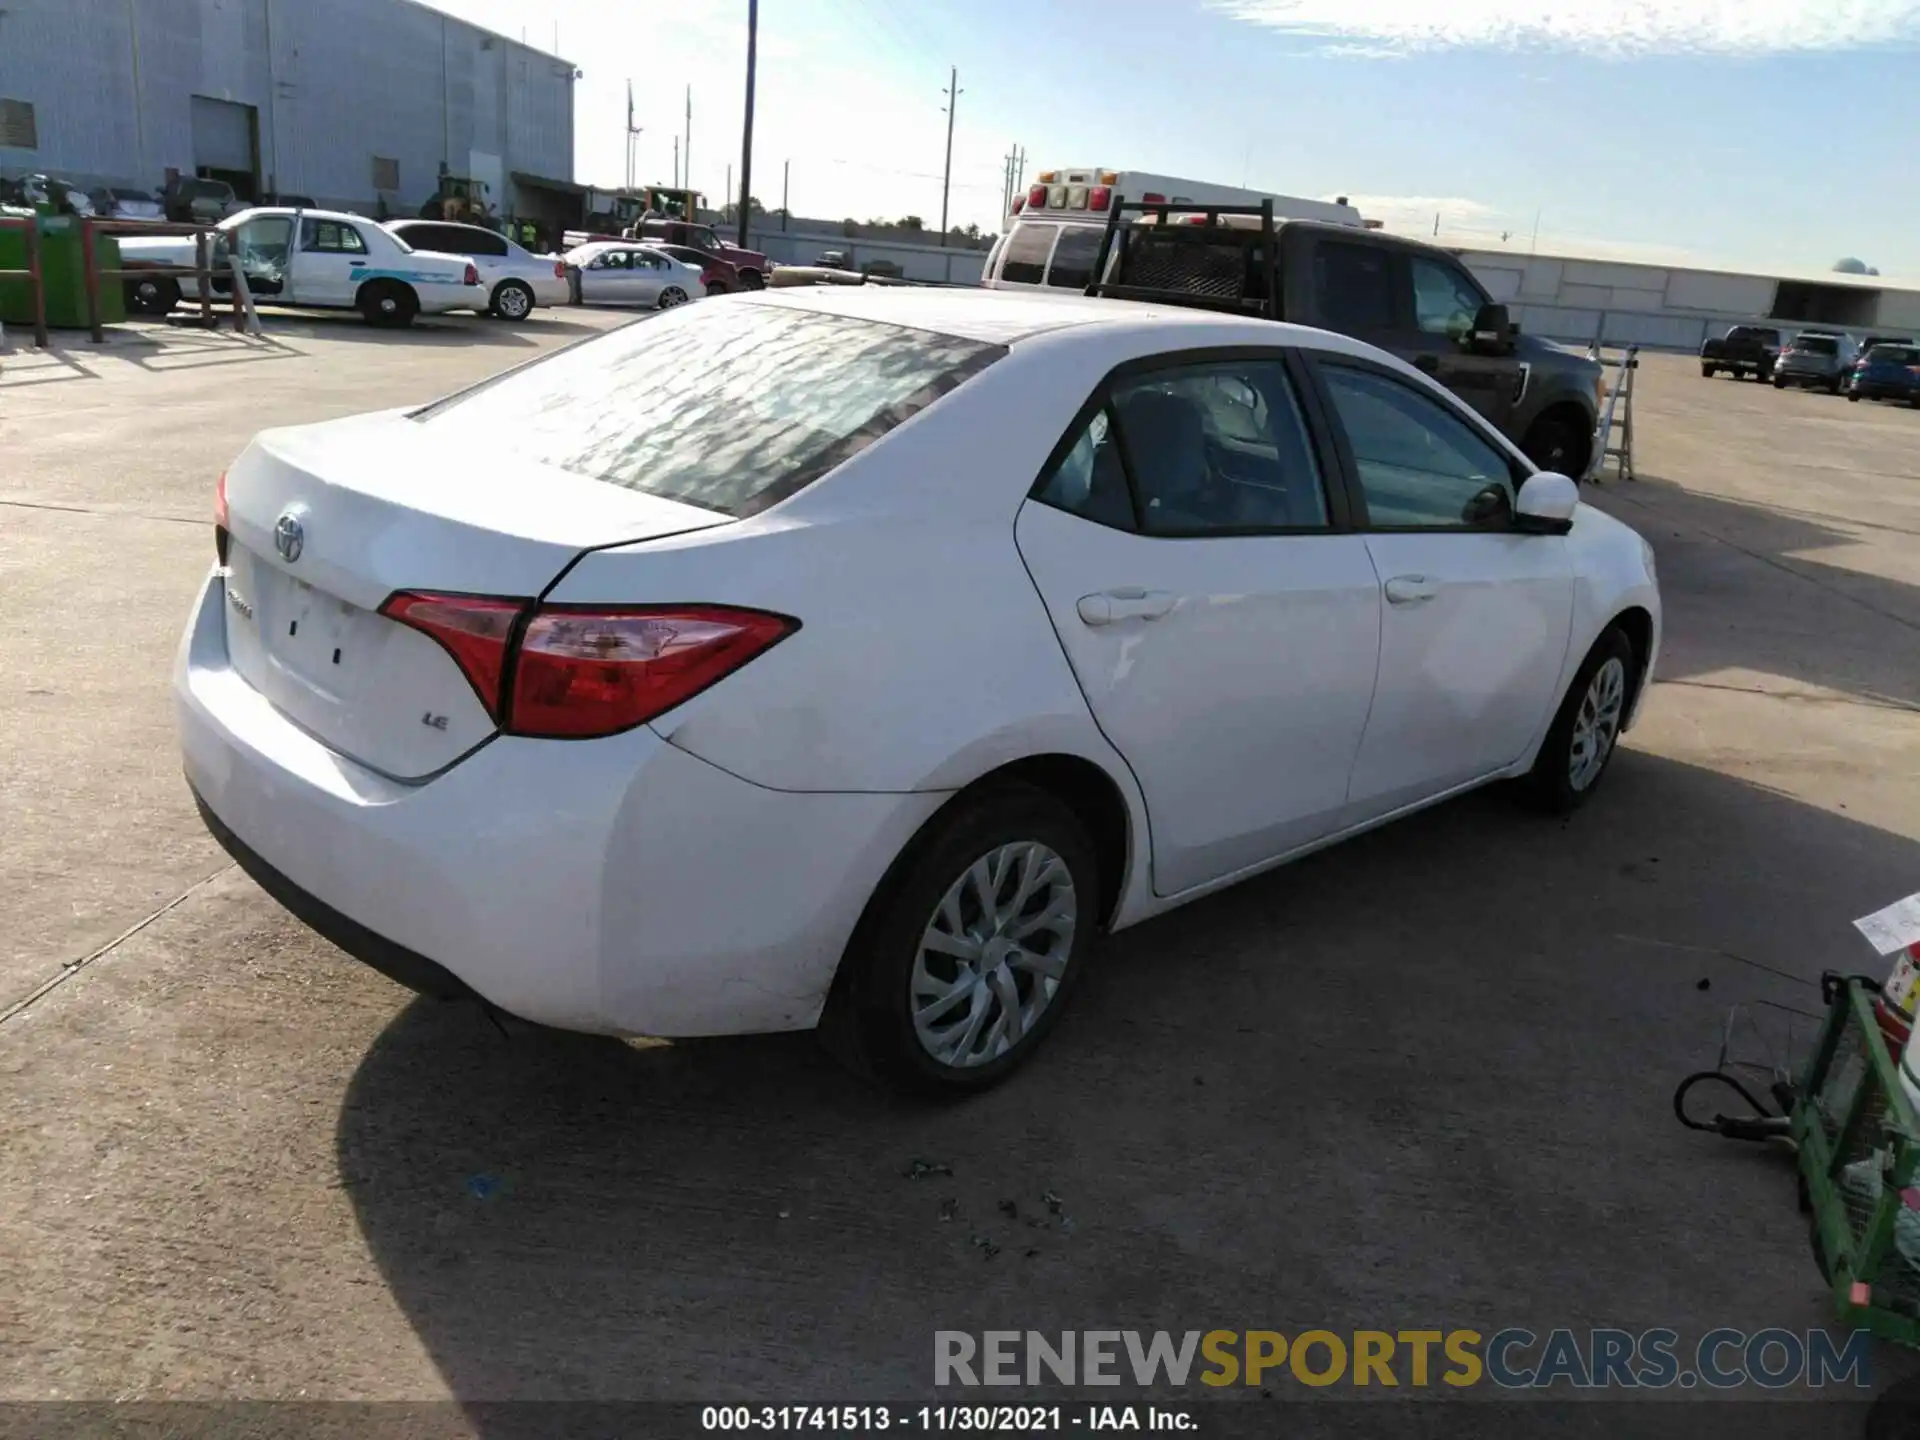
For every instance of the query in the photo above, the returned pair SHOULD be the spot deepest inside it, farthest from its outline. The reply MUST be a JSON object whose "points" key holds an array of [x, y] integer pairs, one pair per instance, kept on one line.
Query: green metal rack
{"points": [[1859, 1149]]}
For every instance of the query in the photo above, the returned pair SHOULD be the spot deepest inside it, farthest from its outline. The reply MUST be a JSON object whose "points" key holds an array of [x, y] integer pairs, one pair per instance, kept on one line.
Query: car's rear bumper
{"points": [[621, 885], [1871, 391]]}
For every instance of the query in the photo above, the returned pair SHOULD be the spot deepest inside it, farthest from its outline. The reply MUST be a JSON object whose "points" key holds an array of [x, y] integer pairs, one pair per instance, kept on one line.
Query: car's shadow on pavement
{"points": [[1420, 1081]]}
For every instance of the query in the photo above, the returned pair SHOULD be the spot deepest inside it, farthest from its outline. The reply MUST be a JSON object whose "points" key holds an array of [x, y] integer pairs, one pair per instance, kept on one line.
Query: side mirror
{"points": [[1546, 504], [1492, 332]]}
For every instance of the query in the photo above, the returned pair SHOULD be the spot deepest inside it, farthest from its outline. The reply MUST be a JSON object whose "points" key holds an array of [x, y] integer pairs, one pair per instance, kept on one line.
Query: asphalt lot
{"points": [[1421, 1080]]}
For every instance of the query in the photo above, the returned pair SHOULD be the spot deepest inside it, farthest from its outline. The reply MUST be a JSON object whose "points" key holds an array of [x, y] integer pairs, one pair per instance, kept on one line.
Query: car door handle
{"points": [[1410, 590], [1428, 363], [1124, 603]]}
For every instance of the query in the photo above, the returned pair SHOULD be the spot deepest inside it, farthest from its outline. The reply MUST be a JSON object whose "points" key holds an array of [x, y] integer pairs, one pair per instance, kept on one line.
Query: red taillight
{"points": [[221, 528], [1099, 197], [474, 629], [580, 673], [559, 269], [1037, 197], [1153, 197], [577, 673], [473, 275]]}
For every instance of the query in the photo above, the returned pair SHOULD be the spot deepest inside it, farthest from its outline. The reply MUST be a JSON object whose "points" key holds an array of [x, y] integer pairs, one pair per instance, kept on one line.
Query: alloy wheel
{"points": [[1597, 725], [991, 958]]}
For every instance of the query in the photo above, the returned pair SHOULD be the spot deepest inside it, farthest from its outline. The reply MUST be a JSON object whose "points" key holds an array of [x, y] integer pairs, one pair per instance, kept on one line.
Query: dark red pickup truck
{"points": [[1743, 350], [751, 264]]}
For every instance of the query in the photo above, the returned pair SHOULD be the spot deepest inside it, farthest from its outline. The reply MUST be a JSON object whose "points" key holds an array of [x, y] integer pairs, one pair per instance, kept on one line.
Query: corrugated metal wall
{"points": [[333, 84]]}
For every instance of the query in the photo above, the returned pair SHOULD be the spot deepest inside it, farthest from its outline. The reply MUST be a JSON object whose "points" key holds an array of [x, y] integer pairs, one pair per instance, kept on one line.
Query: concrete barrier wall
{"points": [[940, 265]]}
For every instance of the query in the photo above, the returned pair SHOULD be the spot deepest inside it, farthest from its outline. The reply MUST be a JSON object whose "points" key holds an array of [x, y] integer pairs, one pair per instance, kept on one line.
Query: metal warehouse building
{"points": [[350, 102], [1672, 307]]}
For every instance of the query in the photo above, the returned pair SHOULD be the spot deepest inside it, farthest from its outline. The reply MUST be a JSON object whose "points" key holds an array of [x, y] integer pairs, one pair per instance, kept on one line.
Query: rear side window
{"points": [[1027, 251], [1073, 257], [1353, 286], [729, 407]]}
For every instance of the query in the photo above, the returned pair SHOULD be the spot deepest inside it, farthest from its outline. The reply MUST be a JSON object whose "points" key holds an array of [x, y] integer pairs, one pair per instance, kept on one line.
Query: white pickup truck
{"points": [[320, 259]]}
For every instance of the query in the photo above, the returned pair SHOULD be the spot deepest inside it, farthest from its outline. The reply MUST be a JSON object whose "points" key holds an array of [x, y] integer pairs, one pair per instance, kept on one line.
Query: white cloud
{"points": [[1606, 27]]}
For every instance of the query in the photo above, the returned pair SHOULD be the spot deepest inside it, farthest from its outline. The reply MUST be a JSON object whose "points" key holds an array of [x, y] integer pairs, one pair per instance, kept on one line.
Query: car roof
{"points": [[1006, 317]]}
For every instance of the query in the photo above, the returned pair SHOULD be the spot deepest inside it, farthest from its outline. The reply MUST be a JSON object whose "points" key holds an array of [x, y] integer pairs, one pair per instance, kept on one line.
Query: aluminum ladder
{"points": [[1613, 433]]}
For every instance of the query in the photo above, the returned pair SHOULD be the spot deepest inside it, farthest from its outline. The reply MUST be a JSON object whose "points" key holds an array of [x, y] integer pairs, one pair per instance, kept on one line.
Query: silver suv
{"points": [[1815, 359]]}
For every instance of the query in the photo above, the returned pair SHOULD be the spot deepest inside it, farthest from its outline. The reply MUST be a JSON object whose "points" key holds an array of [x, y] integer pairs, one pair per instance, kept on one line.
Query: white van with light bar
{"points": [[1052, 234]]}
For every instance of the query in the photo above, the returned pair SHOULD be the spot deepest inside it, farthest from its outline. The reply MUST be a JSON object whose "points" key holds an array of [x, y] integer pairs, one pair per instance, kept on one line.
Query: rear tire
{"points": [[1586, 730], [1853, 397], [1004, 885], [512, 300], [671, 296], [388, 304]]}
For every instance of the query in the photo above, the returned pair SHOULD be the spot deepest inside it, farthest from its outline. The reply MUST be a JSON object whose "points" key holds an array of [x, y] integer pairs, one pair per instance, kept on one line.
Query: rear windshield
{"points": [[1025, 260], [1074, 256], [729, 405], [1893, 355], [1817, 345], [1748, 332]]}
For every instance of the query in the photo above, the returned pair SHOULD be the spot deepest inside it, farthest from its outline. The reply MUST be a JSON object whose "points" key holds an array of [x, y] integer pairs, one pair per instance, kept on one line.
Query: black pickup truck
{"points": [[1412, 300], [1743, 350]]}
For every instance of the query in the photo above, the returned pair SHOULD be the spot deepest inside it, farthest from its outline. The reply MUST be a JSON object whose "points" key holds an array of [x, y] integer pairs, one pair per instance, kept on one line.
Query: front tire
{"points": [[1555, 443], [158, 295], [1707, 372], [512, 301], [971, 946], [1778, 383], [752, 280], [1586, 730], [388, 304]]}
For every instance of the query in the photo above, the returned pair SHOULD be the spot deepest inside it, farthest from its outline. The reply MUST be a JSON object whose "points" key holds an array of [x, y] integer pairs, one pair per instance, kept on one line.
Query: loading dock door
{"points": [[222, 136]]}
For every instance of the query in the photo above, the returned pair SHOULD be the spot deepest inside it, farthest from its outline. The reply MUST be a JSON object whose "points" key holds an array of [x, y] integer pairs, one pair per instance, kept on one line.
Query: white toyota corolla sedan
{"points": [[856, 656]]}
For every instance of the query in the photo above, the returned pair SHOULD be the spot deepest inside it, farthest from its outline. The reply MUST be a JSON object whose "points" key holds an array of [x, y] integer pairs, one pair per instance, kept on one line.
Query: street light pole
{"points": [[946, 180], [746, 135]]}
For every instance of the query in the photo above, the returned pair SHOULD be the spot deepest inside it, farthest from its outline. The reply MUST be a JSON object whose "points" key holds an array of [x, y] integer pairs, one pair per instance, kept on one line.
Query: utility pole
{"points": [[676, 162], [686, 148], [633, 135], [728, 200], [786, 174], [953, 93], [746, 134]]}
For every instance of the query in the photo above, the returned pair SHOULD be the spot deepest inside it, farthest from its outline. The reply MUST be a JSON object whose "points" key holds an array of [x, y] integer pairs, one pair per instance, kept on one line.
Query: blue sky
{"points": [[1735, 132]]}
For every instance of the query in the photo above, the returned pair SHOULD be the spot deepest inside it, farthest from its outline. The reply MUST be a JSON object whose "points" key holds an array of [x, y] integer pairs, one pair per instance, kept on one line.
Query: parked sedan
{"points": [[857, 655], [115, 202], [1888, 372], [513, 280], [619, 272]]}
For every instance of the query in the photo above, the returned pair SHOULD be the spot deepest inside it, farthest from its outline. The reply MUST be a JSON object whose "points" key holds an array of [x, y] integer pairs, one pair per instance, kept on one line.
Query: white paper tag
{"points": [[1893, 928]]}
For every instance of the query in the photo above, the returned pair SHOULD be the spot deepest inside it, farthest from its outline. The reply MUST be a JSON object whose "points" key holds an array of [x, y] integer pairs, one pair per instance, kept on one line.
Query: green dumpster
{"points": [[63, 272]]}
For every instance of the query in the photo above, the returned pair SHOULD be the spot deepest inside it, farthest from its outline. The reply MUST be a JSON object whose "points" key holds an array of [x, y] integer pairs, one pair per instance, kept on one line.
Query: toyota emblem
{"points": [[289, 536]]}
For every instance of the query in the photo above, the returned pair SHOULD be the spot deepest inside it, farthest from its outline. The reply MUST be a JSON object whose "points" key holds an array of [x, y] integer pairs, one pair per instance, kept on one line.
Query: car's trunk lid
{"points": [[329, 521]]}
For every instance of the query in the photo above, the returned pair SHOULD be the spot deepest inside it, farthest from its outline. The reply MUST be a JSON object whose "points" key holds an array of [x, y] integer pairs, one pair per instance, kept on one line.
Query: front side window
{"points": [[1353, 286], [728, 407], [1445, 302], [331, 237], [1200, 449], [1420, 465], [1025, 262]]}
